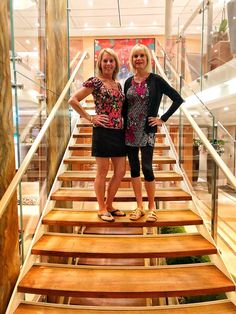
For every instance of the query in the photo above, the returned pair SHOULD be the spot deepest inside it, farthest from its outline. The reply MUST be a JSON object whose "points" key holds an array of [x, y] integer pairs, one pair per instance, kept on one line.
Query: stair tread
{"points": [[90, 159], [90, 176], [89, 134], [74, 194], [166, 281], [123, 246], [89, 146], [216, 307], [89, 218]]}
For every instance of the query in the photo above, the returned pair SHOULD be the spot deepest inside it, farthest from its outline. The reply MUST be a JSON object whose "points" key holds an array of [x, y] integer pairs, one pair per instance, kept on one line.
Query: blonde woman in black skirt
{"points": [[108, 135]]}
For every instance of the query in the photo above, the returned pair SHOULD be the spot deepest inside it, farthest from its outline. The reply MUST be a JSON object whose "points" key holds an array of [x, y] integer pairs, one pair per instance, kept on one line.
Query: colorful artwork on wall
{"points": [[122, 47]]}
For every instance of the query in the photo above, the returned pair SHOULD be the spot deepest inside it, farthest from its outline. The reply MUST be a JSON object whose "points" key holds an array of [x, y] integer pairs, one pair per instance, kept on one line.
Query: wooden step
{"points": [[123, 246], [87, 147], [157, 160], [90, 176], [168, 217], [214, 307], [123, 195], [132, 282], [84, 125], [89, 135]]}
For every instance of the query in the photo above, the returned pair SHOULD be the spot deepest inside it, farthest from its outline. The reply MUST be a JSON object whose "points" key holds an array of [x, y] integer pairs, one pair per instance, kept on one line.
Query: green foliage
{"points": [[190, 260], [202, 298], [187, 260], [174, 229], [197, 142], [223, 26]]}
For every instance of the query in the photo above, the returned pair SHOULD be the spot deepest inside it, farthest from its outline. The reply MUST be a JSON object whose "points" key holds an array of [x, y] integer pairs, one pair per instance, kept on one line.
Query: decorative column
{"points": [[9, 243], [56, 79], [168, 25]]}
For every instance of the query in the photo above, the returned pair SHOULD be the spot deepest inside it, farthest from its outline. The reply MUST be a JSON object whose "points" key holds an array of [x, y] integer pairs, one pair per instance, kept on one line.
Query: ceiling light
{"points": [[131, 24], [85, 24], [27, 41], [90, 3], [145, 2], [23, 4], [226, 108]]}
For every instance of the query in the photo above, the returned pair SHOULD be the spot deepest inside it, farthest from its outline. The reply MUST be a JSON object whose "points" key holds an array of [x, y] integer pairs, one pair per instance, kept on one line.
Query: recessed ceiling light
{"points": [[226, 108], [90, 3], [85, 24], [37, 24], [27, 41], [154, 23], [145, 2], [131, 24], [108, 24]]}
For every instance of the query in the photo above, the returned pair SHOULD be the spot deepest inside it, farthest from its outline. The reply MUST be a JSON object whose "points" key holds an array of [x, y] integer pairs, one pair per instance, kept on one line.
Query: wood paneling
{"points": [[9, 261]]}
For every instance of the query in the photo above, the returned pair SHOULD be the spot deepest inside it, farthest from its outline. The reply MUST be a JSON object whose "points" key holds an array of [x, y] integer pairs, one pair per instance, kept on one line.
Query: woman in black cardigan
{"points": [[143, 92]]}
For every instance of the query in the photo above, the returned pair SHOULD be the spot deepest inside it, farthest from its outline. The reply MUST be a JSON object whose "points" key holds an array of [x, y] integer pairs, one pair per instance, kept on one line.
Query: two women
{"points": [[108, 134], [139, 110]]}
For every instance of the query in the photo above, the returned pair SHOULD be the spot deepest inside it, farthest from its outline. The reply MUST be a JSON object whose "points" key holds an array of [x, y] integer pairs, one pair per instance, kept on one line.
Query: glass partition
{"points": [[28, 64]]}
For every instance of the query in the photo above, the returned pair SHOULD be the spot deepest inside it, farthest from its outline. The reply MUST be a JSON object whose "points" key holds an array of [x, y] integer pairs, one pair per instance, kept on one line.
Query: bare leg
{"points": [[137, 187], [100, 182], [150, 188], [119, 172]]}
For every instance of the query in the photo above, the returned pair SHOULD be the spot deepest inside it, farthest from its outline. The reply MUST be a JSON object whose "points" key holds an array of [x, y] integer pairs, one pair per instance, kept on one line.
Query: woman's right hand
{"points": [[100, 119]]}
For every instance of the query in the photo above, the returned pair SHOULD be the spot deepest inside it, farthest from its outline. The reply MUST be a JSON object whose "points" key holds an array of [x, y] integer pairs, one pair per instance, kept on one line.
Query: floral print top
{"points": [[107, 101], [138, 102]]}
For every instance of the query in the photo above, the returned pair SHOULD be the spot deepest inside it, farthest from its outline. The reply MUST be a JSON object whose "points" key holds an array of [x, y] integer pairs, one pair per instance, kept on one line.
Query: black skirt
{"points": [[108, 142]]}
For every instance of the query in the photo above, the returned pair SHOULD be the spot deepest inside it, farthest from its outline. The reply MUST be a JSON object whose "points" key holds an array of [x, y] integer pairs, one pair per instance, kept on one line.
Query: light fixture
{"points": [[23, 4]]}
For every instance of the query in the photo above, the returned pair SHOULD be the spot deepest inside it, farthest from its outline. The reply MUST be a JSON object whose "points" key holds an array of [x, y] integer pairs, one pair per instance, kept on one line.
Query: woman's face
{"points": [[139, 59], [108, 64]]}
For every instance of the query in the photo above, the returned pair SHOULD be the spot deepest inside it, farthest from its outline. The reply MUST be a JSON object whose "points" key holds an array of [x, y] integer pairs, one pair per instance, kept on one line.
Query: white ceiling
{"points": [[110, 18]]}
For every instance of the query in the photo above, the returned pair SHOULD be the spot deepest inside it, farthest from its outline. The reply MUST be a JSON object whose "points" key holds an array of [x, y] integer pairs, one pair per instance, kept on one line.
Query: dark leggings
{"points": [[146, 156]]}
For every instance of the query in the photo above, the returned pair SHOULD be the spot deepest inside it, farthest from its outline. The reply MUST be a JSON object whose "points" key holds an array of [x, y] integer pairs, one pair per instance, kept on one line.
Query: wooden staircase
{"points": [[96, 267]]}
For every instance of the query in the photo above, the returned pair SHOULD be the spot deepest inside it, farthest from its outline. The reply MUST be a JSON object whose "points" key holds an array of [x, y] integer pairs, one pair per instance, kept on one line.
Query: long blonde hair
{"points": [[114, 55], [148, 67]]}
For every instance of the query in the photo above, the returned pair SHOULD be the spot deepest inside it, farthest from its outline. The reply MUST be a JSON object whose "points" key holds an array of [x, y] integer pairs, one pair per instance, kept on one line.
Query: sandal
{"points": [[117, 213], [106, 217], [136, 214], [152, 216]]}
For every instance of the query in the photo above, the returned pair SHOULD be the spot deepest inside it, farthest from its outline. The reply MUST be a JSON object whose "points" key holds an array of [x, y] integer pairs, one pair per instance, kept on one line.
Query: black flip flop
{"points": [[117, 213], [104, 217]]}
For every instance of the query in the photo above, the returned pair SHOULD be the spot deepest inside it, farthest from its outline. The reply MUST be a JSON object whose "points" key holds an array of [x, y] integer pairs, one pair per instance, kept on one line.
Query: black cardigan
{"points": [[157, 87]]}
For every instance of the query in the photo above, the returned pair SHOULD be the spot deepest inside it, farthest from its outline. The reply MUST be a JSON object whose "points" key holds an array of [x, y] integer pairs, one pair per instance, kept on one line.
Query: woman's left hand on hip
{"points": [[155, 121]]}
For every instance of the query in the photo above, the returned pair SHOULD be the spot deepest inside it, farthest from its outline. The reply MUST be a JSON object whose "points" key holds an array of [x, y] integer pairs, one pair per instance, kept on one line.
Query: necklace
{"points": [[139, 79], [109, 83]]}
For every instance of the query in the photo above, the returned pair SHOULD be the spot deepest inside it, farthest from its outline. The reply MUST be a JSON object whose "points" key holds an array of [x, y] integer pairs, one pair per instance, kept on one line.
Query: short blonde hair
{"points": [[148, 67], [99, 62]]}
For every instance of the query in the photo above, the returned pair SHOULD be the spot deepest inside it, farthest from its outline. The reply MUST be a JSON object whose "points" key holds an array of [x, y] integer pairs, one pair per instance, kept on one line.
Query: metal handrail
{"points": [[226, 131], [18, 176], [221, 164]]}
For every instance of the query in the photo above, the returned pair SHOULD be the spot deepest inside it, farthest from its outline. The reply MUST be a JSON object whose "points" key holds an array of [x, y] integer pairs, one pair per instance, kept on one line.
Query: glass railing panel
{"points": [[227, 145], [216, 197], [35, 184]]}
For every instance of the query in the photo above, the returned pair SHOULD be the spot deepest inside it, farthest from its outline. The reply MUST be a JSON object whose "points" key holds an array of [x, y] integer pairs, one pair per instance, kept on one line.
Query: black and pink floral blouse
{"points": [[107, 101], [138, 99]]}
